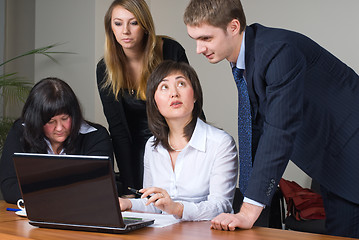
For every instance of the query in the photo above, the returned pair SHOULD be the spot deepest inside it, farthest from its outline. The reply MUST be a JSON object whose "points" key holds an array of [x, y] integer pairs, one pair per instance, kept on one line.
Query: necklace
{"points": [[176, 150]]}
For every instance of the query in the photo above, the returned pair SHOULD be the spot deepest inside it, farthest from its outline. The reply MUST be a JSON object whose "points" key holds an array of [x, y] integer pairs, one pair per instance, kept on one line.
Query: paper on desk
{"points": [[161, 220]]}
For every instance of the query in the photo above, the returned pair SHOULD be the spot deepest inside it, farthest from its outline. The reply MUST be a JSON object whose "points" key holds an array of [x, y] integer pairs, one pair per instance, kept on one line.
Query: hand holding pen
{"points": [[137, 192], [162, 200]]}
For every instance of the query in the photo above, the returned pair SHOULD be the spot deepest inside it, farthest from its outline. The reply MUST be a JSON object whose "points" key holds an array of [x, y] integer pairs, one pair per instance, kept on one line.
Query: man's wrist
{"points": [[251, 211]]}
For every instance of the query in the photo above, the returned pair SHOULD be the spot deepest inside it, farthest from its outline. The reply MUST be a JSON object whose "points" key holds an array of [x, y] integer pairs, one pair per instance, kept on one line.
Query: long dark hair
{"points": [[156, 122], [48, 98]]}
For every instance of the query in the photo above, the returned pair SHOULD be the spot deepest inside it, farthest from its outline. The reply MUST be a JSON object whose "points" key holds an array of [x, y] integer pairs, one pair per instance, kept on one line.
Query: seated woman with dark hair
{"points": [[52, 123], [190, 167]]}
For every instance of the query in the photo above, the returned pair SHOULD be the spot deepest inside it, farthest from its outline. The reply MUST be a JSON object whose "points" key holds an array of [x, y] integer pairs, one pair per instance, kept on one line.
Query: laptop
{"points": [[72, 192]]}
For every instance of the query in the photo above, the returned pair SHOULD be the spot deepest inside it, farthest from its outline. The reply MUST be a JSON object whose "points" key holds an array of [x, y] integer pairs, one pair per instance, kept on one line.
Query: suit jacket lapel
{"points": [[249, 61]]}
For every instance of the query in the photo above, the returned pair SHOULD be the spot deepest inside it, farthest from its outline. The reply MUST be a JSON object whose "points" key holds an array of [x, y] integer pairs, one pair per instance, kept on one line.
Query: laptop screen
{"points": [[68, 189]]}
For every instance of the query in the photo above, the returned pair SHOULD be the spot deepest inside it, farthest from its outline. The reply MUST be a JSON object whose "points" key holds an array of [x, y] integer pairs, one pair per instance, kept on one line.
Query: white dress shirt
{"points": [[241, 64], [204, 178]]}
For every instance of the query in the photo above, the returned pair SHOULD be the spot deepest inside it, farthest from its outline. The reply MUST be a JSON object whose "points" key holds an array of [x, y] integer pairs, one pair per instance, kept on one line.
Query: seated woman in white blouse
{"points": [[190, 167]]}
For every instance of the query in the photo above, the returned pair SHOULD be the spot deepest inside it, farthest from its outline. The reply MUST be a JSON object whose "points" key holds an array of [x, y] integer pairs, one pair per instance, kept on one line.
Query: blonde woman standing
{"points": [[132, 51]]}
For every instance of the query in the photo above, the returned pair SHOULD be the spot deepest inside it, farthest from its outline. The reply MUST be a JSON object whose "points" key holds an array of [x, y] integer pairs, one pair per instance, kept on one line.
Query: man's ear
{"points": [[234, 27]]}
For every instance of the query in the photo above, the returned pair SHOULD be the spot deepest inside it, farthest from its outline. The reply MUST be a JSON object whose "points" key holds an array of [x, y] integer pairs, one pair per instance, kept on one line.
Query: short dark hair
{"points": [[48, 98], [217, 13], [156, 122]]}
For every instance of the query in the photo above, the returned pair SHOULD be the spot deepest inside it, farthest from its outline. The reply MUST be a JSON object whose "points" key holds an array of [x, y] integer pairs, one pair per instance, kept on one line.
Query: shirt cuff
{"points": [[250, 201], [137, 204], [188, 211]]}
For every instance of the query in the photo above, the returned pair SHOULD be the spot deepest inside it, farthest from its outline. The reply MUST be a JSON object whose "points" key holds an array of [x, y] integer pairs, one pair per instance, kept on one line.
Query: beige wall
{"points": [[79, 24]]}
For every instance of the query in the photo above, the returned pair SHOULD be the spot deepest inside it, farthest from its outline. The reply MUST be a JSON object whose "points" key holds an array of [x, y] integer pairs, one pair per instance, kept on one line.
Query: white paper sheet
{"points": [[161, 220]]}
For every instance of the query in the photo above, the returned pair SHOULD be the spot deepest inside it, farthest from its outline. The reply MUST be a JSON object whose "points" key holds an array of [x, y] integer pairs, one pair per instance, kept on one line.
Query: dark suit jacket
{"points": [[305, 107]]}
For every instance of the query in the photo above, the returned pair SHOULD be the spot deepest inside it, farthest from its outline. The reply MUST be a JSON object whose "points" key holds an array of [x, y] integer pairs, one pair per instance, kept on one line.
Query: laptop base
{"points": [[103, 229]]}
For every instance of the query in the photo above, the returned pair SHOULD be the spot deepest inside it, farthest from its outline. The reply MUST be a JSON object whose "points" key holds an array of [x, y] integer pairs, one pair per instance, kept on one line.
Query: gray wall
{"points": [[79, 25], [19, 38], [329, 22], [2, 42]]}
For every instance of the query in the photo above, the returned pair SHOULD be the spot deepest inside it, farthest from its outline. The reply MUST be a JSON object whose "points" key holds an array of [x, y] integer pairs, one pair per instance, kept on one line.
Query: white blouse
{"points": [[204, 178]]}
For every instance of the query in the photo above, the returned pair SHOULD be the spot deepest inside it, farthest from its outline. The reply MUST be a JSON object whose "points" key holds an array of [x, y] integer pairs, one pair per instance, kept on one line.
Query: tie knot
{"points": [[237, 73]]}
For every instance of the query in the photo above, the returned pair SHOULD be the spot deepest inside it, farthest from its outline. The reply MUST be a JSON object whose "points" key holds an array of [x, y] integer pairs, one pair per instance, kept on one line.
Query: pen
{"points": [[13, 209], [136, 191]]}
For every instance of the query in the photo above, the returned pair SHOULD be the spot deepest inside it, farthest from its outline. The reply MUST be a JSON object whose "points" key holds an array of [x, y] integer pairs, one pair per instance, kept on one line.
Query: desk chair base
{"points": [[311, 226]]}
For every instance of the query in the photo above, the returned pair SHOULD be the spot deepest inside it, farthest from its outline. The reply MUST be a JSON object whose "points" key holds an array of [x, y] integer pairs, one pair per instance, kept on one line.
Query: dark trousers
{"points": [[342, 216]]}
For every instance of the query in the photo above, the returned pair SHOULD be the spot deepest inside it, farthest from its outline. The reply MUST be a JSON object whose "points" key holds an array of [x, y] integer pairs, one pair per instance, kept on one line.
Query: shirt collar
{"points": [[197, 141], [199, 136], [241, 57], [50, 150], [86, 128]]}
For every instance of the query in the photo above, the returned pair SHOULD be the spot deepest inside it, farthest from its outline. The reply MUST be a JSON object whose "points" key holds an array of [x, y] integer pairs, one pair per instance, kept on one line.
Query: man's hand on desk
{"points": [[245, 219]]}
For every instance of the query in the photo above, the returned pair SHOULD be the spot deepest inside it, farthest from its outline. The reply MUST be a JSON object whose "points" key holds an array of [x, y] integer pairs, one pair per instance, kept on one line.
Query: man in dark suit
{"points": [[304, 106]]}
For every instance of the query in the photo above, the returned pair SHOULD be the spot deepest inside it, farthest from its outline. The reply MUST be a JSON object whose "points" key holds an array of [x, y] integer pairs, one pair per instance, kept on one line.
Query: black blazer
{"points": [[97, 143], [305, 107]]}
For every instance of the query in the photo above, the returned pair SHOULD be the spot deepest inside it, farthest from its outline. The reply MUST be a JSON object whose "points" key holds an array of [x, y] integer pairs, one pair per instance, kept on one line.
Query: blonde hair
{"points": [[117, 76]]}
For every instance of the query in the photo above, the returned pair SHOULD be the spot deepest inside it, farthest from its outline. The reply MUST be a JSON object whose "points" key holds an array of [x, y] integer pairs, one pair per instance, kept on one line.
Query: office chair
{"points": [[310, 226]]}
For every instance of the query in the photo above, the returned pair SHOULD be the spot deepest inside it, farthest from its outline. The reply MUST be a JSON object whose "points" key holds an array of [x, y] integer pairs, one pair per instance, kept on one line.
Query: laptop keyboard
{"points": [[130, 221]]}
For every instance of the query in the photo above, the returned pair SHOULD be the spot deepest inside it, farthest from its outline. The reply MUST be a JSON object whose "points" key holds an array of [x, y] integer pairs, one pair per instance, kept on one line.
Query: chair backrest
{"points": [[311, 226]]}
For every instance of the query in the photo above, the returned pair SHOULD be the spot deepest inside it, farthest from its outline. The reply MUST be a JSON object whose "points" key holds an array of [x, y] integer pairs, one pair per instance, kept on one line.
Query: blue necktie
{"points": [[244, 130]]}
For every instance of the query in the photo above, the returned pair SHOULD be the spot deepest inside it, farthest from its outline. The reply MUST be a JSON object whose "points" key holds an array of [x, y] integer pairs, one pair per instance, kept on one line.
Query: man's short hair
{"points": [[217, 13]]}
